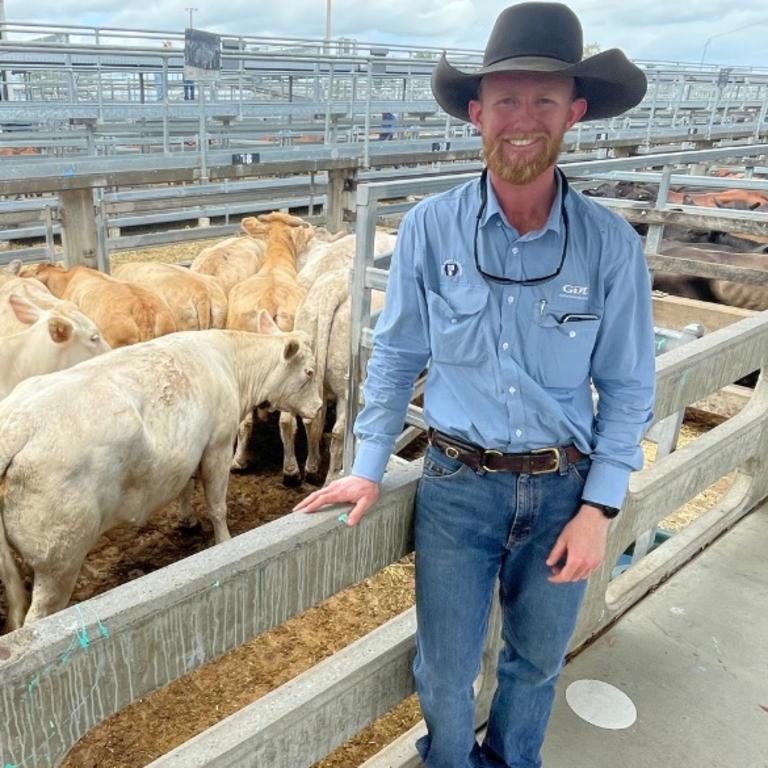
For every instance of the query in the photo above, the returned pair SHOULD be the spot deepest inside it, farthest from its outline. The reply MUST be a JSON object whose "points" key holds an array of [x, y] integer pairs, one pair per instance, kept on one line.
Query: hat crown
{"points": [[551, 30]]}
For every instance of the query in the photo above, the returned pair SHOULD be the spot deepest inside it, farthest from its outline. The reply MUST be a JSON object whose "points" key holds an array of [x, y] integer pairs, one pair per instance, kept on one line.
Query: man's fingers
{"points": [[557, 552]]}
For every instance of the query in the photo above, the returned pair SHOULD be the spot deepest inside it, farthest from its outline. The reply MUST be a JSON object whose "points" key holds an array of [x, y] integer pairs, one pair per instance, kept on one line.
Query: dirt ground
{"points": [[167, 718]]}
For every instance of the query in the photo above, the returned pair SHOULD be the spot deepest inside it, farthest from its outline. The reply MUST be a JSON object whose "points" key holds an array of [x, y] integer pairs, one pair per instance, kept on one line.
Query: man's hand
{"points": [[580, 548], [350, 490]]}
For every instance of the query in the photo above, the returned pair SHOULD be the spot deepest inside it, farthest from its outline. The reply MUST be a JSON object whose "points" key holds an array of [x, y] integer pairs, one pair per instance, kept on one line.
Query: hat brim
{"points": [[609, 82]]}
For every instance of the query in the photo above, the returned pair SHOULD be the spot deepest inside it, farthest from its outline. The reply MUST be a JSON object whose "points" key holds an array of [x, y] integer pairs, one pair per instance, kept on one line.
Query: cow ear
{"points": [[290, 349], [253, 227], [60, 329], [25, 311], [265, 323], [15, 266]]}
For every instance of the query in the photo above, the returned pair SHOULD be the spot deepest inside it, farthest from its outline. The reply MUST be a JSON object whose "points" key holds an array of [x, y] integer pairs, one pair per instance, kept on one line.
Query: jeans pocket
{"points": [[580, 469], [438, 466]]}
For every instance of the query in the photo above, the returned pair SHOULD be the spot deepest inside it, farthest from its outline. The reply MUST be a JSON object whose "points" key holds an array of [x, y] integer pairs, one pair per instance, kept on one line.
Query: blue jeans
{"points": [[470, 528]]}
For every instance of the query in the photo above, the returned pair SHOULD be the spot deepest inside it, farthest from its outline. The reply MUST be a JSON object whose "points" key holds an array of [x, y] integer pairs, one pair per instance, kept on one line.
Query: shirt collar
{"points": [[493, 208]]}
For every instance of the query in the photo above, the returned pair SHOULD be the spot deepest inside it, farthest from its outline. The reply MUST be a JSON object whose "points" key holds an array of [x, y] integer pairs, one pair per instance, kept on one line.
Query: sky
{"points": [[726, 32]]}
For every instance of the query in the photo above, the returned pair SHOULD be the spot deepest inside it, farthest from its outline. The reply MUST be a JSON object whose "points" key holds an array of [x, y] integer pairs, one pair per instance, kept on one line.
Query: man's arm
{"points": [[623, 371]]}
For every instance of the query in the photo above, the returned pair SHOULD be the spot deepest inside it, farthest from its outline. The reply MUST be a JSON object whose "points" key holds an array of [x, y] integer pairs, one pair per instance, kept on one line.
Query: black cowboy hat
{"points": [[544, 37]]}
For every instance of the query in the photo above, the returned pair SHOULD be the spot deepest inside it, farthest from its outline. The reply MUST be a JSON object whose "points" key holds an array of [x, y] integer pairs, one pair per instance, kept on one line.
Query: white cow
{"points": [[325, 317], [54, 339], [118, 437], [327, 256]]}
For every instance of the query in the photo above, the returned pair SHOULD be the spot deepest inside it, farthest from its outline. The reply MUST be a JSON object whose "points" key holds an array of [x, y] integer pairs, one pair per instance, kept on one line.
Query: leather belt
{"points": [[537, 462]]}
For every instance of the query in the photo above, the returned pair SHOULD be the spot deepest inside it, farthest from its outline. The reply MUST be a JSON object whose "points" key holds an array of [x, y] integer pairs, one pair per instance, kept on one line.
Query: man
{"points": [[387, 127], [518, 292]]}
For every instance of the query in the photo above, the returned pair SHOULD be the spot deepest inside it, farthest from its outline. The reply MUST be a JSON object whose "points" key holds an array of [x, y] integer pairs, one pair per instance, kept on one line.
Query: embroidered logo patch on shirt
{"points": [[572, 291], [451, 268]]}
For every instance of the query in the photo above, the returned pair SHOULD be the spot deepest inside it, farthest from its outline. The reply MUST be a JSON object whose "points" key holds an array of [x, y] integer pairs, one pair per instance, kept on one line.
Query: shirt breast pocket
{"points": [[564, 347], [455, 327]]}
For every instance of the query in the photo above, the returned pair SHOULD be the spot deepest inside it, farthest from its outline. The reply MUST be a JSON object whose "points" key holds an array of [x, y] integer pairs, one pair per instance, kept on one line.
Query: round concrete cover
{"points": [[601, 704]]}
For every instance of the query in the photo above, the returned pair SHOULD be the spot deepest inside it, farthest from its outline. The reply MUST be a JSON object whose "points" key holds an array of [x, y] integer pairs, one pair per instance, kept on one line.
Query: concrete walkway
{"points": [[693, 657]]}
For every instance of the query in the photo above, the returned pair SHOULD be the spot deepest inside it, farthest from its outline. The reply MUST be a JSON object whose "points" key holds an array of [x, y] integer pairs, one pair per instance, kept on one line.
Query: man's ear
{"points": [[475, 108], [577, 110]]}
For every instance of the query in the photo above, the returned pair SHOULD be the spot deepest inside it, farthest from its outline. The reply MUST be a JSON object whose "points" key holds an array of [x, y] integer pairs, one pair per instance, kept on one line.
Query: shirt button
{"points": [[505, 345], [572, 334], [515, 250], [498, 223], [519, 432], [454, 321], [510, 299], [512, 391]]}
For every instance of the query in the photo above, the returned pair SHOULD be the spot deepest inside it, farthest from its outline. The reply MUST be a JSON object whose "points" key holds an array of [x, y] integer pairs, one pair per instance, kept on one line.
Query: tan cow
{"points": [[53, 339], [231, 261], [197, 301], [128, 432], [125, 313], [274, 287]]}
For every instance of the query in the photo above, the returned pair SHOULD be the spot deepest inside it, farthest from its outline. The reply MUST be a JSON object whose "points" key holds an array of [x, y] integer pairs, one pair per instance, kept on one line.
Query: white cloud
{"points": [[655, 29]]}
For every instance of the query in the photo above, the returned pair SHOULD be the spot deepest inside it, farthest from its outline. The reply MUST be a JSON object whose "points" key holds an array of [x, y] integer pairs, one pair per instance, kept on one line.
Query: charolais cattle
{"points": [[10, 271], [129, 431], [125, 313], [54, 339], [325, 316], [32, 290], [197, 301]]}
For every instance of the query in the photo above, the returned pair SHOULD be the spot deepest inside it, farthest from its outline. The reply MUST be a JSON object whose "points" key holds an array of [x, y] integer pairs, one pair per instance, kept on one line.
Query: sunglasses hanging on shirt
{"points": [[533, 280]]}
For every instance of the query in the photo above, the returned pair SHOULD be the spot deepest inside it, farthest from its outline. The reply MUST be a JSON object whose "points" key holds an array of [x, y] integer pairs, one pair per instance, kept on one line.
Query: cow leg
{"points": [[188, 522], [291, 474], [336, 450], [51, 591], [314, 430], [214, 472], [240, 460]]}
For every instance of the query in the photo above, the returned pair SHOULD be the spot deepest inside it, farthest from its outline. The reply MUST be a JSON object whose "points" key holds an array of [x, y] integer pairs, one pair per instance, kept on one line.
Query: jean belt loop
{"points": [[563, 460]]}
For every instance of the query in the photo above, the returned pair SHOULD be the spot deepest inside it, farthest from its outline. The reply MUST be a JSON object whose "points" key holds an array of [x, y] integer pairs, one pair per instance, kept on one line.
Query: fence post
{"points": [[341, 183], [78, 227]]}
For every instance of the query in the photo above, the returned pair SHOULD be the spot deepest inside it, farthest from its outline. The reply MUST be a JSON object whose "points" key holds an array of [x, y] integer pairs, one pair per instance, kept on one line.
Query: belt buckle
{"points": [[555, 452], [490, 452]]}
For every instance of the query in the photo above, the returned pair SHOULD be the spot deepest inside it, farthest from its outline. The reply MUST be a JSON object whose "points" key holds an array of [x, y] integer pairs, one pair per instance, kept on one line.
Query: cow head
{"points": [[74, 336]]}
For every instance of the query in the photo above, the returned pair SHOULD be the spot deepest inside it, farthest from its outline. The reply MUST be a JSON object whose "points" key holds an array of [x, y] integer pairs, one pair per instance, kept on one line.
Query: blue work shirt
{"points": [[510, 365]]}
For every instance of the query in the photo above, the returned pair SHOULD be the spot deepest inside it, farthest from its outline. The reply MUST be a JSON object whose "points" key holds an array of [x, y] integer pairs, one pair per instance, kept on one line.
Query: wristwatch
{"points": [[609, 512]]}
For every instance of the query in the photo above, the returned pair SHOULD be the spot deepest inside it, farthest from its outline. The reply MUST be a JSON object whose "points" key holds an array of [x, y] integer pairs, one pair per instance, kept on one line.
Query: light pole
{"points": [[720, 34], [191, 11], [327, 46]]}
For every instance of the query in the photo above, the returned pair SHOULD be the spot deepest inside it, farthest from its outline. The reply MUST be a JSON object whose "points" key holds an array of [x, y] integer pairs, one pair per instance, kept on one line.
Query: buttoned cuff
{"points": [[606, 484], [370, 461]]}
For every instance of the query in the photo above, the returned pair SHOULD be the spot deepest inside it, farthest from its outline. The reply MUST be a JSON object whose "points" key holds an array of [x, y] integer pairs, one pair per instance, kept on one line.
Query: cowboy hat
{"points": [[544, 37]]}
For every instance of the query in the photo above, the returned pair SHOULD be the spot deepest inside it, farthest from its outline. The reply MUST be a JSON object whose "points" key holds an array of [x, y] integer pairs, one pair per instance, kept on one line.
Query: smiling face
{"points": [[522, 118]]}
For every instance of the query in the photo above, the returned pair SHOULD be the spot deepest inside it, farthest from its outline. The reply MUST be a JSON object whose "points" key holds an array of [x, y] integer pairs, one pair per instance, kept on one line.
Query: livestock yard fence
{"points": [[61, 676]]}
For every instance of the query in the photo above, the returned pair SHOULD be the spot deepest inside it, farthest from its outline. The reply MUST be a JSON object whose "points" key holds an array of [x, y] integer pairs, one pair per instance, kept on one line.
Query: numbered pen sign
{"points": [[202, 54], [441, 146], [245, 158]]}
